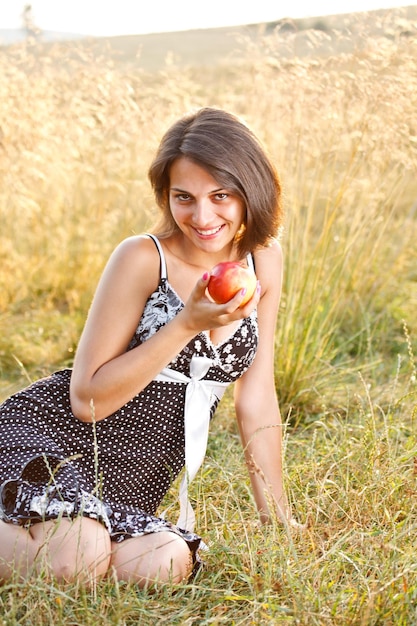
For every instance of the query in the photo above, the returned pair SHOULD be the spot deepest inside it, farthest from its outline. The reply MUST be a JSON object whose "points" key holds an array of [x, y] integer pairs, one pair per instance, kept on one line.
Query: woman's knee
{"points": [[156, 558], [180, 561], [73, 550]]}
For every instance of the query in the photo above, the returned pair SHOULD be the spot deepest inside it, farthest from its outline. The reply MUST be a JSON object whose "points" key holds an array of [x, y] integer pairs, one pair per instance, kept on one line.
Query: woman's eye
{"points": [[221, 196], [183, 197]]}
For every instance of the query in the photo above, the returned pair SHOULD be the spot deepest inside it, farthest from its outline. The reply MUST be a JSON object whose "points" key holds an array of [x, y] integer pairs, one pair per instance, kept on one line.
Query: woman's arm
{"points": [[104, 374], [256, 403]]}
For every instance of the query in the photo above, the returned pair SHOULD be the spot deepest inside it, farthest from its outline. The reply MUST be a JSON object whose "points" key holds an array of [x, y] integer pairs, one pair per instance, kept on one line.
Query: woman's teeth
{"points": [[212, 231]]}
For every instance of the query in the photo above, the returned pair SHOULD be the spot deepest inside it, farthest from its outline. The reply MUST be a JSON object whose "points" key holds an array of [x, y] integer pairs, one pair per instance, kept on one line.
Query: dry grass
{"points": [[77, 134]]}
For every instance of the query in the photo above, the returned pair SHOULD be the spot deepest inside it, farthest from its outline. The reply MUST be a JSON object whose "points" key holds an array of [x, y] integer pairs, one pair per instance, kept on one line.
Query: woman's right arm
{"points": [[105, 376]]}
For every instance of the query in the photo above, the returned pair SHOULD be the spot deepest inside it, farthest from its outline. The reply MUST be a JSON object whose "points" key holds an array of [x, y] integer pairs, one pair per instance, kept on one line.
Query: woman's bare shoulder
{"points": [[137, 255], [269, 261], [135, 245], [132, 271]]}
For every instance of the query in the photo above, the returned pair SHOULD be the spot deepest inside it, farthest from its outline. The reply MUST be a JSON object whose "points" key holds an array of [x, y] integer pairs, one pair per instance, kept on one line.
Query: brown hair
{"points": [[223, 145]]}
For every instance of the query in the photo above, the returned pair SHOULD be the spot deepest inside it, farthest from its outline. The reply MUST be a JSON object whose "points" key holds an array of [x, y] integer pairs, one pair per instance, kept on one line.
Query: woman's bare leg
{"points": [[153, 558], [18, 551], [69, 550]]}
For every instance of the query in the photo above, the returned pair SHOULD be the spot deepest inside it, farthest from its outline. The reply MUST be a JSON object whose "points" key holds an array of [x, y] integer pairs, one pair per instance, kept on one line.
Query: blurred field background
{"points": [[334, 101]]}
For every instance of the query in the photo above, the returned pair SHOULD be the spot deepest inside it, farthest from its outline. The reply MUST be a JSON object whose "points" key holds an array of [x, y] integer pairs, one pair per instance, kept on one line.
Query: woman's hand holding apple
{"points": [[228, 278], [204, 313]]}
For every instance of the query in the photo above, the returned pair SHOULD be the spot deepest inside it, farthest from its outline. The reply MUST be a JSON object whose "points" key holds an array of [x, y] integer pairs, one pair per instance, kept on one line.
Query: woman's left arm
{"points": [[256, 403]]}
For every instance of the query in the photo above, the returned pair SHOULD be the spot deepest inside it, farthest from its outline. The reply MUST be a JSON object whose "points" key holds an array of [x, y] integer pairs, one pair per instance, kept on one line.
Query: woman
{"points": [[88, 454]]}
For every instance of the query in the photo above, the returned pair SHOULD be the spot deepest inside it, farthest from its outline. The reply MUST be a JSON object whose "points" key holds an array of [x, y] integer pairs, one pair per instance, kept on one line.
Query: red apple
{"points": [[229, 277]]}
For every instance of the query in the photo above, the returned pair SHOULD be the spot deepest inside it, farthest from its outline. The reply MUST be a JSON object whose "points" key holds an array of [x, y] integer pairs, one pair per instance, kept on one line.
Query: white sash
{"points": [[199, 397]]}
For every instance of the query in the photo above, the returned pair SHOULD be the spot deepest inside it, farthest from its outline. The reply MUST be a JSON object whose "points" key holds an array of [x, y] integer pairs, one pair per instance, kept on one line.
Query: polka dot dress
{"points": [[119, 469]]}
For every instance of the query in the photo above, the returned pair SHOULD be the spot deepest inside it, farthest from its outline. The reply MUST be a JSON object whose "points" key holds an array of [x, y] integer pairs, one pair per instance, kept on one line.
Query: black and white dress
{"points": [[116, 470]]}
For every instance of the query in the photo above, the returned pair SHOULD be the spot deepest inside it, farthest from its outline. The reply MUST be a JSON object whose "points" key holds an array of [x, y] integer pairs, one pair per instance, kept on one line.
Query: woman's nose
{"points": [[202, 213]]}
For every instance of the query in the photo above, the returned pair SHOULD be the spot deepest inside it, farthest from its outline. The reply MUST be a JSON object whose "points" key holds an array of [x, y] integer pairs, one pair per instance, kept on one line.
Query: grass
{"points": [[78, 132]]}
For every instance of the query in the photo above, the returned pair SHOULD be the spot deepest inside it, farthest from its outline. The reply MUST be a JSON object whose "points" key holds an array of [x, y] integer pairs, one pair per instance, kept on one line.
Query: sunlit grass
{"points": [[77, 135]]}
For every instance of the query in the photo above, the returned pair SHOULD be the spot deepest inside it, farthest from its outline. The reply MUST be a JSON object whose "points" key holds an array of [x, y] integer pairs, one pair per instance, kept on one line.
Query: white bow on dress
{"points": [[199, 397]]}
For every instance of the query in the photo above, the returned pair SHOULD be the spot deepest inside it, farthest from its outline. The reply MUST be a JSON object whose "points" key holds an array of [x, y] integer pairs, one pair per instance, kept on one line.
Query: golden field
{"points": [[335, 103]]}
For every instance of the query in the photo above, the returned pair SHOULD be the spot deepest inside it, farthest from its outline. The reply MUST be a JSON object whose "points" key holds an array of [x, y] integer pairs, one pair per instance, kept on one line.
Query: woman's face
{"points": [[209, 215]]}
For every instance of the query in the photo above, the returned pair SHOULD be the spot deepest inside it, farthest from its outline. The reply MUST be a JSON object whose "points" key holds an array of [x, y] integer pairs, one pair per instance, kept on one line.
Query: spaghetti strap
{"points": [[164, 273], [250, 261]]}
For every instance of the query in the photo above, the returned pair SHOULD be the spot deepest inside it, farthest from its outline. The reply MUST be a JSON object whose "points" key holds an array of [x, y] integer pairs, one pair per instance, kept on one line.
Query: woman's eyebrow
{"points": [[185, 191]]}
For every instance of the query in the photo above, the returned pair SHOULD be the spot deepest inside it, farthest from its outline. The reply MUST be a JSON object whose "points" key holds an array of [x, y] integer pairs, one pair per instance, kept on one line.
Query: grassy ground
{"points": [[77, 135]]}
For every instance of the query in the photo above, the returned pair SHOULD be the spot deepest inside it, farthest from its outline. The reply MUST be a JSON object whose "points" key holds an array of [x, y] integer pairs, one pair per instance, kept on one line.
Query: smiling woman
{"points": [[88, 454], [227, 182]]}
